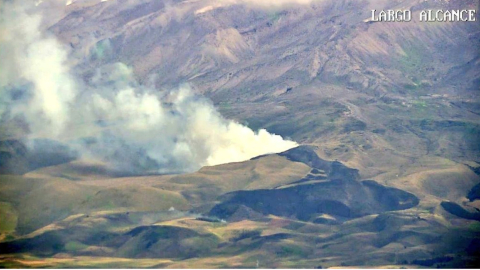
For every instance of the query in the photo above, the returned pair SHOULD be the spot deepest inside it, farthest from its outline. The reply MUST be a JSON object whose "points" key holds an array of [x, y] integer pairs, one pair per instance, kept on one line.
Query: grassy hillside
{"points": [[58, 222]]}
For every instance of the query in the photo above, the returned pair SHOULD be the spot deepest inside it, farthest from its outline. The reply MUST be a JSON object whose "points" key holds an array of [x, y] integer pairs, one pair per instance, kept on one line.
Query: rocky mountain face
{"points": [[319, 73]]}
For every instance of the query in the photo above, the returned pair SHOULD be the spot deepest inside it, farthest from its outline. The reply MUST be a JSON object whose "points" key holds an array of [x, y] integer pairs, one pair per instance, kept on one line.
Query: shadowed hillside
{"points": [[337, 193]]}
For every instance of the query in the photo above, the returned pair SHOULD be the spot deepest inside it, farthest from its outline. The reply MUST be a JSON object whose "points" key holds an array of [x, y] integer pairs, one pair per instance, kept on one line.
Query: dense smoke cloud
{"points": [[30, 59], [110, 117]]}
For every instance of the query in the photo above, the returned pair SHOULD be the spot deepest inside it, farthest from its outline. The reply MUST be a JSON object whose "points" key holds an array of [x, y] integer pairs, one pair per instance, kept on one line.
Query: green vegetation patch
{"points": [[75, 246], [8, 217], [292, 250]]}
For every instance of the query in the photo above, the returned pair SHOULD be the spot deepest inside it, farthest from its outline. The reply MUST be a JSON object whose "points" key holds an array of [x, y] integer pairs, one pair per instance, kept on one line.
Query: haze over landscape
{"points": [[238, 133]]}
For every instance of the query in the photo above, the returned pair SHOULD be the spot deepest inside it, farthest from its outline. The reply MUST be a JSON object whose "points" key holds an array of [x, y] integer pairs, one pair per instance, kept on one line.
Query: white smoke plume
{"points": [[110, 117], [28, 57]]}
